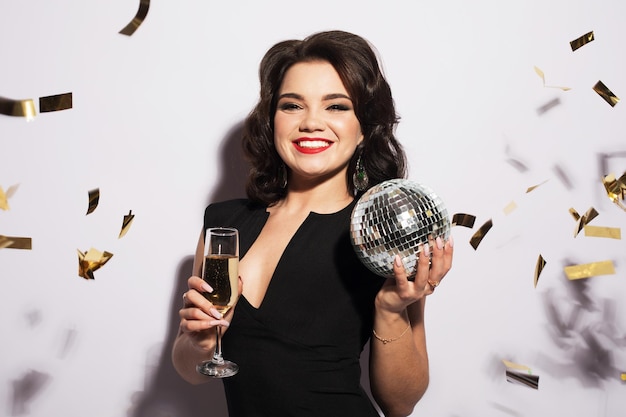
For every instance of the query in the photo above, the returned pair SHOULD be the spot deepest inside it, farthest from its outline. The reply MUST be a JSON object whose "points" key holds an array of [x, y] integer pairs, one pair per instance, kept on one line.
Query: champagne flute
{"points": [[220, 271]]}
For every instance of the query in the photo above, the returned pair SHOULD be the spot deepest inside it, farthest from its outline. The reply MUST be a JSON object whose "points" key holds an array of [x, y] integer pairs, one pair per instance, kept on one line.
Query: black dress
{"points": [[298, 353]]}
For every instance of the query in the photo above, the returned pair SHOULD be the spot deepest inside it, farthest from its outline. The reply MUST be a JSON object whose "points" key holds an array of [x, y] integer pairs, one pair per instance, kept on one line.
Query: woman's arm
{"points": [[195, 341], [399, 372]]}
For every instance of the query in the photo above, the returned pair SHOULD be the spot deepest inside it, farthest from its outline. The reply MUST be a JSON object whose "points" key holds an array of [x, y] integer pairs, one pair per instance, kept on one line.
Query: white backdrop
{"points": [[154, 126]]}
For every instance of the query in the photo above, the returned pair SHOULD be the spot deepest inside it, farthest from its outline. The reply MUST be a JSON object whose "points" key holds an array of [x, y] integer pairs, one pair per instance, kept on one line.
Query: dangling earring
{"points": [[360, 178], [283, 176]]}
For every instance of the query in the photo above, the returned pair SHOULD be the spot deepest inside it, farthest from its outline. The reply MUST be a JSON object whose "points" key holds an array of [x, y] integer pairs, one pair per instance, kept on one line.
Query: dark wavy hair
{"points": [[355, 61]]}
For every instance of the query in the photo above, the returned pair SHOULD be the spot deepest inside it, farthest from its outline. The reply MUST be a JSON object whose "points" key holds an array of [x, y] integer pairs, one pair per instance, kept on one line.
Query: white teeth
{"points": [[314, 144]]}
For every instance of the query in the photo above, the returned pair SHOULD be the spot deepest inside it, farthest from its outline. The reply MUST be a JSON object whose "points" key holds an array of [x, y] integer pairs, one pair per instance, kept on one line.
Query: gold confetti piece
{"points": [[480, 234], [513, 365], [21, 108], [131, 27], [574, 213], [607, 232], [589, 270], [510, 208], [543, 78], [55, 103], [584, 220], [541, 263], [94, 198], [623, 376], [5, 242], [616, 189], [530, 381], [91, 261], [4, 200], [128, 219], [605, 93], [12, 242], [529, 189], [4, 197], [583, 40], [462, 219]]}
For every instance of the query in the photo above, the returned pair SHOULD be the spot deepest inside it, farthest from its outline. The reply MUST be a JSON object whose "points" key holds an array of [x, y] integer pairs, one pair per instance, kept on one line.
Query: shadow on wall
{"points": [[233, 171], [586, 330], [166, 393]]}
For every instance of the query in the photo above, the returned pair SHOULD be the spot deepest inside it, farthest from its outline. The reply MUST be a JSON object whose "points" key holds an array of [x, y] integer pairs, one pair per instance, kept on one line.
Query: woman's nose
{"points": [[311, 121]]}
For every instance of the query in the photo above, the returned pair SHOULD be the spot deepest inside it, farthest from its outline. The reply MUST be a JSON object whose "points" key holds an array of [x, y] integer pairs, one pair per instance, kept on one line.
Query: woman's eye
{"points": [[338, 107], [289, 106]]}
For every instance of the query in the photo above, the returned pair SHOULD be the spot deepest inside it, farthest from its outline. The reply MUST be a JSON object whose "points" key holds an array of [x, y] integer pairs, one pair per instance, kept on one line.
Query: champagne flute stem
{"points": [[217, 354]]}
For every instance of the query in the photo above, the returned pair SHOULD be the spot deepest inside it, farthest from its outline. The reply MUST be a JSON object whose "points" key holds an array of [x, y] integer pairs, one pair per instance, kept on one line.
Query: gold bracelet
{"points": [[385, 341]]}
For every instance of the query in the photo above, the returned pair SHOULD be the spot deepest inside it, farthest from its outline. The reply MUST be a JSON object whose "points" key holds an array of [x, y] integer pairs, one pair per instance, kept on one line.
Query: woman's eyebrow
{"points": [[335, 96], [290, 95], [297, 96]]}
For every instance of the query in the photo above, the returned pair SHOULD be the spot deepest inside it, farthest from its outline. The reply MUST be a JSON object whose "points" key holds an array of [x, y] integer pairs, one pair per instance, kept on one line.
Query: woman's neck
{"points": [[323, 198]]}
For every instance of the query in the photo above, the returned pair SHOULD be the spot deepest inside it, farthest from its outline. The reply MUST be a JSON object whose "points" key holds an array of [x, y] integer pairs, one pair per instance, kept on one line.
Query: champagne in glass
{"points": [[220, 271]]}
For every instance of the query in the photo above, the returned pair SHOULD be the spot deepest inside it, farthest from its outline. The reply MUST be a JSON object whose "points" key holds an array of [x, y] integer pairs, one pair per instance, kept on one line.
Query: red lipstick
{"points": [[311, 145]]}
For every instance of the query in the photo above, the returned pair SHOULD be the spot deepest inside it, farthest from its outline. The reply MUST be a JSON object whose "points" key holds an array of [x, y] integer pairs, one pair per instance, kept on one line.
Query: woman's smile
{"points": [[312, 145]]}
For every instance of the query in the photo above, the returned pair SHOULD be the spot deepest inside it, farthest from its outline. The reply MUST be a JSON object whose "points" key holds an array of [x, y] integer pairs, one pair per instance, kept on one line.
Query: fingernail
{"points": [[439, 242], [426, 249], [398, 261], [216, 313], [451, 241], [206, 287]]}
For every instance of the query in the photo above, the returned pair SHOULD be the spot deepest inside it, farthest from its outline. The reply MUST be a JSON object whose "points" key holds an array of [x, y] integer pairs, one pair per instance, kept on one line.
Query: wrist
{"points": [[385, 317], [385, 340], [201, 346], [390, 326], [384, 307]]}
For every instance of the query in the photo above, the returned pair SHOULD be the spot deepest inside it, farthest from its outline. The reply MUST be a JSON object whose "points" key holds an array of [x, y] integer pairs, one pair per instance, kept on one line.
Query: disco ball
{"points": [[394, 218]]}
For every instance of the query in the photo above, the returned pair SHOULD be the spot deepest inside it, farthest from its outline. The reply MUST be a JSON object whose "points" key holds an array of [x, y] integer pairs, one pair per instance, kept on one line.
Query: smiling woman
{"points": [[315, 127], [368, 94], [321, 134]]}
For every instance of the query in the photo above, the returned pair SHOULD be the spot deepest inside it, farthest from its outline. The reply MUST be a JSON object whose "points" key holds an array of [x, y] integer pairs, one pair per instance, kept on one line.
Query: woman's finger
{"points": [[400, 274], [448, 253], [194, 319], [194, 299], [193, 326], [444, 253], [441, 262], [198, 284], [423, 265]]}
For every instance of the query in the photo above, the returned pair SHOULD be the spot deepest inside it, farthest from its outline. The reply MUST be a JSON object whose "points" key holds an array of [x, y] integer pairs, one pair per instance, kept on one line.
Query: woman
{"points": [[321, 133]]}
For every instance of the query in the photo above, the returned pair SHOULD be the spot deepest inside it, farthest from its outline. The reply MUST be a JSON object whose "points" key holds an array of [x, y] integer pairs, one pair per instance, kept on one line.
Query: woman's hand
{"points": [[198, 317], [397, 293]]}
